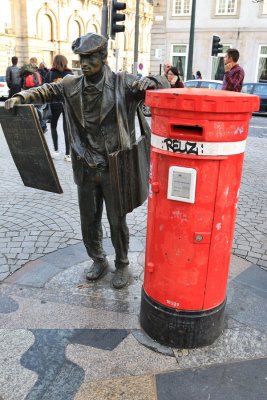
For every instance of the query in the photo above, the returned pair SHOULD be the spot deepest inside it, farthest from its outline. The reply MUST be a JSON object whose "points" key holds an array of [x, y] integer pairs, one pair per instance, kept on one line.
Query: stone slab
{"points": [[256, 278], [246, 299], [238, 381]]}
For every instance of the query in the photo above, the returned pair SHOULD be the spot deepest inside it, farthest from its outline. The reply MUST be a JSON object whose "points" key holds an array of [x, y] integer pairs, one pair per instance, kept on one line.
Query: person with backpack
{"points": [[31, 78], [58, 71], [13, 78]]}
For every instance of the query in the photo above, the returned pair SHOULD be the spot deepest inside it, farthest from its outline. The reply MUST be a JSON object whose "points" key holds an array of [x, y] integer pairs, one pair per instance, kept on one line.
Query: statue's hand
{"points": [[144, 83], [14, 101]]}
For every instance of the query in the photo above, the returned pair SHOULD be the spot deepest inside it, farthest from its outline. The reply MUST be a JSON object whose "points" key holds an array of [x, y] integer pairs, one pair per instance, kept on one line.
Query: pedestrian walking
{"points": [[234, 73], [174, 78], [58, 71], [30, 77], [96, 111], [13, 78], [43, 70]]}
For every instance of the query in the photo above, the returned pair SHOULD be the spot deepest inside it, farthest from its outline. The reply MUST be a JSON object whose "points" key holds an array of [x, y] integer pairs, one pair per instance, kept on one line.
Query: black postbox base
{"points": [[181, 329]]}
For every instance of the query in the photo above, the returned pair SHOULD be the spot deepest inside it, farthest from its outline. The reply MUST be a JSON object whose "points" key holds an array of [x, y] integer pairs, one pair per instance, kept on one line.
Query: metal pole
{"points": [[136, 38], [117, 59], [191, 42], [104, 24]]}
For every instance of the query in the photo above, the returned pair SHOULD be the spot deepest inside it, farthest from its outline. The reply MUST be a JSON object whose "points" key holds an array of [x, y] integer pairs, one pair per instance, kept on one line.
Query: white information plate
{"points": [[182, 184]]}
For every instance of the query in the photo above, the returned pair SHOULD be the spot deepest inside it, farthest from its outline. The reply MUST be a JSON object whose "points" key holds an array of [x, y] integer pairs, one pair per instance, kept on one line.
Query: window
{"points": [[47, 28], [182, 7], [264, 7], [247, 88], [262, 68], [210, 85], [226, 7], [260, 90], [191, 84], [75, 30], [179, 58]]}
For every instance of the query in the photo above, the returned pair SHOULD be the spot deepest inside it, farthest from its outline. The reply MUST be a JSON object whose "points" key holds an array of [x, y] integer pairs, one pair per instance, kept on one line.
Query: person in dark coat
{"points": [[58, 71], [90, 101], [43, 70], [198, 75], [13, 78]]}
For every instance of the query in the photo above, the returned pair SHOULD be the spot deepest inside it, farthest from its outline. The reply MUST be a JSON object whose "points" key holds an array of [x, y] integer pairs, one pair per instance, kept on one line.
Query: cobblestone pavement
{"points": [[250, 240], [34, 223]]}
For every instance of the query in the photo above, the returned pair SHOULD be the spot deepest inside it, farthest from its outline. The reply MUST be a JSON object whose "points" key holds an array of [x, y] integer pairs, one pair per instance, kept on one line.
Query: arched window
{"points": [[47, 28], [93, 25], [94, 28], [75, 30]]}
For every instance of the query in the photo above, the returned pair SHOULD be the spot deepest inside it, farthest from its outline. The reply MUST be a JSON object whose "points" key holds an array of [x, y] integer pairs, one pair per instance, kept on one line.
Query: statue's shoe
{"points": [[120, 278], [96, 270]]}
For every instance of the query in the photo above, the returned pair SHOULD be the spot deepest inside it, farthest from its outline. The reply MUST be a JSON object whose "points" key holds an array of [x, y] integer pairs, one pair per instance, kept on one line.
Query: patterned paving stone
{"points": [[7, 305], [129, 358], [129, 388], [15, 380], [58, 377]]}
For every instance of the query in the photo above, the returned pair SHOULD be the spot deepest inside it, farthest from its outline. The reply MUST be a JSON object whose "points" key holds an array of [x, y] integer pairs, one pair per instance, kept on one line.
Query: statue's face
{"points": [[91, 64]]}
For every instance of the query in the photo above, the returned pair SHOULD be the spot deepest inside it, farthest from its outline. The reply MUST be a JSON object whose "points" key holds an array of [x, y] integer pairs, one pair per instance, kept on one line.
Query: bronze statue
{"points": [[89, 101]]}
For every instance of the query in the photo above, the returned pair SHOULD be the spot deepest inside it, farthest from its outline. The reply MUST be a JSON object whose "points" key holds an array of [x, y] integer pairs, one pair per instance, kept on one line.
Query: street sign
{"points": [[28, 148]]}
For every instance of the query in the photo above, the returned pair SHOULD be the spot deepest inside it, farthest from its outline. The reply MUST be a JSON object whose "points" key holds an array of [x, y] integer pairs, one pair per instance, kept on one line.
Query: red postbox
{"points": [[197, 150]]}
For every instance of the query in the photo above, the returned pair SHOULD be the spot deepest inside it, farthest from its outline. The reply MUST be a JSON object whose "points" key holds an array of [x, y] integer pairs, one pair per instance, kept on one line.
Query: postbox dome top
{"points": [[202, 100]]}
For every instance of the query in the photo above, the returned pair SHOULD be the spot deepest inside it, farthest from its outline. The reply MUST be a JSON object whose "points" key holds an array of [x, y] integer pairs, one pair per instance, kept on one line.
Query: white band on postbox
{"points": [[191, 147]]}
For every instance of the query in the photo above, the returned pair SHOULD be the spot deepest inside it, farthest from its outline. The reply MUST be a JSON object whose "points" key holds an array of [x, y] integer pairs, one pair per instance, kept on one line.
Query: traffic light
{"points": [[217, 47], [115, 17]]}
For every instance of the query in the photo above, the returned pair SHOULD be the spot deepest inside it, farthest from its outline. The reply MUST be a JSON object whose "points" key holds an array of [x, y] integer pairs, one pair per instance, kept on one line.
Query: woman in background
{"points": [[198, 75], [174, 78], [43, 70], [58, 71]]}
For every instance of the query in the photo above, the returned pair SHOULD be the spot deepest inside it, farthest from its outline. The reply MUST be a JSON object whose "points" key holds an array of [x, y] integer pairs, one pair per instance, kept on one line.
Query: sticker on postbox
{"points": [[182, 184]]}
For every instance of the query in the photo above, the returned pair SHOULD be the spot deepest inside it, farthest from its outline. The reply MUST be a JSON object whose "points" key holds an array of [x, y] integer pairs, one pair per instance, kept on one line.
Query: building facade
{"points": [[240, 24], [45, 28]]}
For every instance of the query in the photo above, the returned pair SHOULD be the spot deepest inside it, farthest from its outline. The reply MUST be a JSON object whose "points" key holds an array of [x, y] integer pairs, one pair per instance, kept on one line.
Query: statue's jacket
{"points": [[118, 111]]}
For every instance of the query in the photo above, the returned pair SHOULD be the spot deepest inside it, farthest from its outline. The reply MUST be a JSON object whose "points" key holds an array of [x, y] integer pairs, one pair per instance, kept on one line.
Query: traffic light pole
{"points": [[191, 42], [136, 38], [104, 24]]}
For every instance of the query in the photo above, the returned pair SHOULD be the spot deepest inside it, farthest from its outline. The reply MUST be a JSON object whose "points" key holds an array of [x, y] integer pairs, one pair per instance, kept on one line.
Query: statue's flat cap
{"points": [[89, 44]]}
